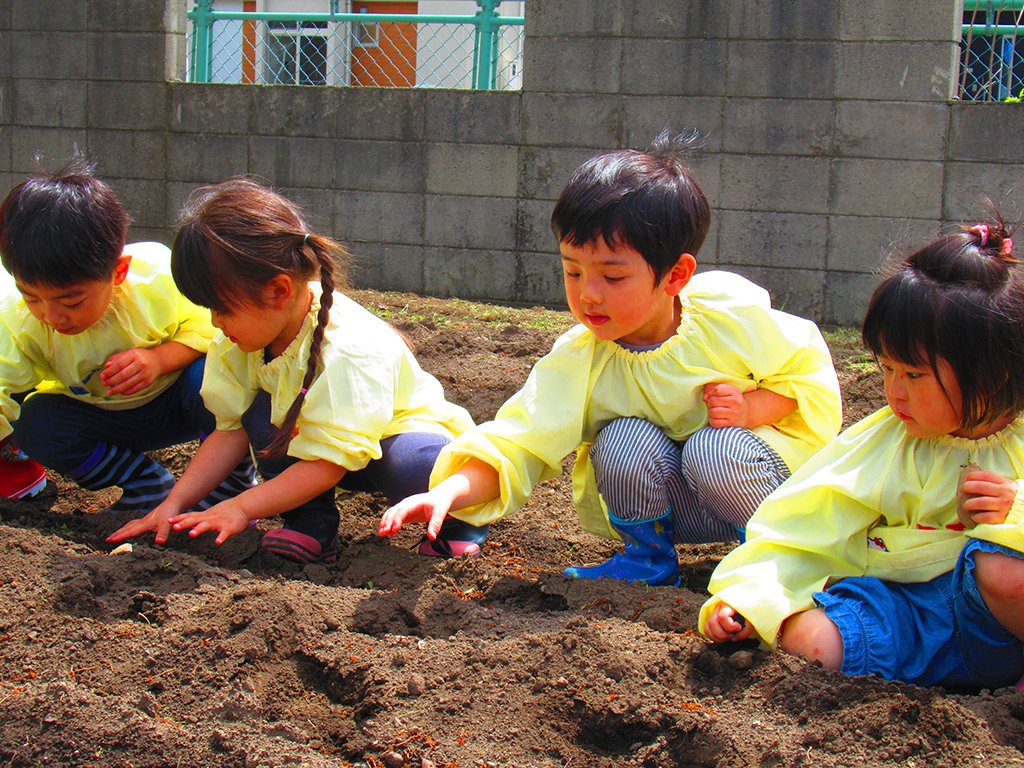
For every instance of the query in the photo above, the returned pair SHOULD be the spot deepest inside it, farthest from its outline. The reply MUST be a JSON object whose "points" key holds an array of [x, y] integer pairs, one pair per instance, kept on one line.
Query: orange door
{"points": [[384, 54]]}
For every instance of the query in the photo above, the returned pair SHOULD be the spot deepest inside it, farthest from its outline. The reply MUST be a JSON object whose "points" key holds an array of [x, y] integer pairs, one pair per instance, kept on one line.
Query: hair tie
{"points": [[1007, 248], [305, 239], [981, 230], [303, 391]]}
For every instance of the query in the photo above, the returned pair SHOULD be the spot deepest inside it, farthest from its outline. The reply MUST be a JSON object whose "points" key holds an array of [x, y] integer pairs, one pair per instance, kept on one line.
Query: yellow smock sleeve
{"points": [[813, 529], [531, 433], [229, 383]]}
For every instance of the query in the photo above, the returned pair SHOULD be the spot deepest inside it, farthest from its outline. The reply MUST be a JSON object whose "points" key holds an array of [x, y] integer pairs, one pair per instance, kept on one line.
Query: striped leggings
{"points": [[712, 482]]}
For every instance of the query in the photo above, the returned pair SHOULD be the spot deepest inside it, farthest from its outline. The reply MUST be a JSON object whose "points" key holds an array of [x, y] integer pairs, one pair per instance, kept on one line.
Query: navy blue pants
{"points": [[402, 470], [61, 432]]}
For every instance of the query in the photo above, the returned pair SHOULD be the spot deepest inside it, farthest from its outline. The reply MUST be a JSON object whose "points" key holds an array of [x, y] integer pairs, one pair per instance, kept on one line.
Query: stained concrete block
{"points": [[394, 216], [495, 116], [783, 19], [534, 227], [286, 110], [596, 64], [47, 103], [571, 120], [212, 108], [470, 222], [781, 69], [29, 15], [864, 243], [47, 54], [868, 187], [931, 20], [778, 126], [600, 17], [775, 183], [295, 162], [901, 71], [908, 131], [145, 200], [126, 56], [131, 15], [540, 280], [846, 298], [484, 273], [644, 117], [770, 239], [967, 186], [206, 158], [130, 154], [387, 166], [676, 67], [471, 169], [387, 267], [380, 113], [544, 171], [317, 208], [695, 19], [124, 105], [799, 292], [988, 132]]}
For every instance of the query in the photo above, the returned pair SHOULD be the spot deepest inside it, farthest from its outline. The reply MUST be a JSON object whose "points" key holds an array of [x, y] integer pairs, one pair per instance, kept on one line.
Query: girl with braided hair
{"points": [[325, 393], [898, 549]]}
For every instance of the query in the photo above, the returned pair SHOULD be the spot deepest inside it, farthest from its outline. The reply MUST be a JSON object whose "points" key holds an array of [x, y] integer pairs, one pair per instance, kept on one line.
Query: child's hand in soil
{"points": [[430, 508], [156, 520], [726, 625], [226, 518]]}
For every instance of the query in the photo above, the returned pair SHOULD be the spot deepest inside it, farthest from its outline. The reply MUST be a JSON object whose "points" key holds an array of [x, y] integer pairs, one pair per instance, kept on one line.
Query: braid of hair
{"points": [[279, 444]]}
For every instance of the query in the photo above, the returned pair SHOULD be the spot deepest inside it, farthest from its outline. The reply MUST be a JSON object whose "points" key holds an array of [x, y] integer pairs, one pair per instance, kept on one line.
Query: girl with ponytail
{"points": [[898, 549], [325, 393]]}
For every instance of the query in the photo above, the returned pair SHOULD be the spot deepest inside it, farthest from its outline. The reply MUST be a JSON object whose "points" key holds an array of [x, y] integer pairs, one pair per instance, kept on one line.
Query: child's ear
{"points": [[121, 268], [278, 290], [680, 274]]}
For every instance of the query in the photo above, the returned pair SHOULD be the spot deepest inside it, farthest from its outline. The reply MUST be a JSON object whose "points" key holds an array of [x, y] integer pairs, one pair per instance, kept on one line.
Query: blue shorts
{"points": [[937, 632]]}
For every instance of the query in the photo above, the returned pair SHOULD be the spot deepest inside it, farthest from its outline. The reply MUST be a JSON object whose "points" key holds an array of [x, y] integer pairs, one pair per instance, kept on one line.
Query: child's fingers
{"points": [[437, 517]]}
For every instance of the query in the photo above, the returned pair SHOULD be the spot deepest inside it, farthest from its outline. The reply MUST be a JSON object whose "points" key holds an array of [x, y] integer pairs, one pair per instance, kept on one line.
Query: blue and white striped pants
{"points": [[713, 481]]}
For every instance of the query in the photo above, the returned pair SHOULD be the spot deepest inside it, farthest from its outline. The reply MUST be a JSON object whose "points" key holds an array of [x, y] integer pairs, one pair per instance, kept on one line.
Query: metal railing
{"points": [[992, 51], [483, 51]]}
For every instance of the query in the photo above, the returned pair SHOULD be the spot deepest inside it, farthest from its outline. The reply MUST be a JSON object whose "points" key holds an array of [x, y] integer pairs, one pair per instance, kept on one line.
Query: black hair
{"points": [[960, 298], [63, 228], [647, 201]]}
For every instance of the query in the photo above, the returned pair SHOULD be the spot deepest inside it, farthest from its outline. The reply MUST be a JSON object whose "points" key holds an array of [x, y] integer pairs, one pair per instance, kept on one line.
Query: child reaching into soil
{"points": [[326, 393], [872, 559], [108, 352], [688, 399]]}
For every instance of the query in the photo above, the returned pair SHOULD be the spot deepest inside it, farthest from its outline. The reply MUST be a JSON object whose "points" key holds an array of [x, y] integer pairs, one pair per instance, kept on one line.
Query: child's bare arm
{"points": [[728, 406], [474, 483], [132, 370]]}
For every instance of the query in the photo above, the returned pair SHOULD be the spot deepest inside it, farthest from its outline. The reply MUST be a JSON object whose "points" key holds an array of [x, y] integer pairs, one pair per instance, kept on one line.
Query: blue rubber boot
{"points": [[649, 556]]}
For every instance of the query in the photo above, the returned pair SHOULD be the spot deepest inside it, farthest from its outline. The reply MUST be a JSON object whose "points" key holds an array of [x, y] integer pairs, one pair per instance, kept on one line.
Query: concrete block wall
{"points": [[831, 137]]}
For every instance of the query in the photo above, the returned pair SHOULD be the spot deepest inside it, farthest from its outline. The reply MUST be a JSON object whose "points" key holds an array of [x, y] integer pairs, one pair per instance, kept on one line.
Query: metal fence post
{"points": [[483, 53], [202, 41]]}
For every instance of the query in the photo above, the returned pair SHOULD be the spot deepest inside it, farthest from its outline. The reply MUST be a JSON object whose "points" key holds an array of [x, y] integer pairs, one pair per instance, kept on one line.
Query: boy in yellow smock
{"points": [[108, 352], [687, 398]]}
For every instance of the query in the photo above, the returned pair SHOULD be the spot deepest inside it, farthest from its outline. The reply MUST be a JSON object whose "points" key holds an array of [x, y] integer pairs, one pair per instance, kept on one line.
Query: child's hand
{"points": [[226, 518], [989, 496], [725, 625], [157, 520], [429, 508], [726, 405], [130, 371]]}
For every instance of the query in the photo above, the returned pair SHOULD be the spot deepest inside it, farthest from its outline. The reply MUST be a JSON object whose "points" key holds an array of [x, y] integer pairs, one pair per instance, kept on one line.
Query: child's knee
{"points": [[812, 636], [1000, 578]]}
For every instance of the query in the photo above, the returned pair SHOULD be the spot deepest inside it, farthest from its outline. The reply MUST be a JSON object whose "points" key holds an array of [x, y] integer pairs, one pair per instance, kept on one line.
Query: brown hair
{"points": [[235, 237], [960, 298]]}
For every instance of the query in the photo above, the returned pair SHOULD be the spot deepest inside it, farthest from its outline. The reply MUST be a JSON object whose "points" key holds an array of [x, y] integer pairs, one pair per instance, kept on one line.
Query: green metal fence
{"points": [[992, 51], [483, 51]]}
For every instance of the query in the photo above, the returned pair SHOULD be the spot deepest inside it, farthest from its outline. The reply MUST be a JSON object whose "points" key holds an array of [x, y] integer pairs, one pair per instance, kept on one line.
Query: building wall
{"points": [[831, 138]]}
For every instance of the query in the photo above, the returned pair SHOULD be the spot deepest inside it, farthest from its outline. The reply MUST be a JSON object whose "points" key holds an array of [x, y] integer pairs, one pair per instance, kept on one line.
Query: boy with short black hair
{"points": [[687, 398], [110, 353]]}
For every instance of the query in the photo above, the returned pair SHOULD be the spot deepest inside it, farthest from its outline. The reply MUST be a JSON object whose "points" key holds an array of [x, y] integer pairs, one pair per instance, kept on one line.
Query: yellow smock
{"points": [[145, 310], [874, 502], [728, 333], [368, 386]]}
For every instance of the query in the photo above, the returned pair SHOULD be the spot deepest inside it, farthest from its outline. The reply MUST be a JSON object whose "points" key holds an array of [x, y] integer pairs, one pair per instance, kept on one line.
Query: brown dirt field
{"points": [[192, 655]]}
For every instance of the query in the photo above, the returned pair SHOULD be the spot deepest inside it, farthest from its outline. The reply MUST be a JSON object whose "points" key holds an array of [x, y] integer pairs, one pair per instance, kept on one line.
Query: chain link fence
{"points": [[482, 51], [992, 51]]}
